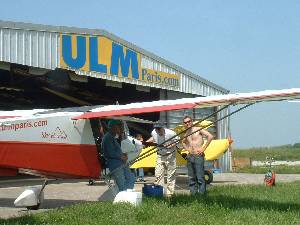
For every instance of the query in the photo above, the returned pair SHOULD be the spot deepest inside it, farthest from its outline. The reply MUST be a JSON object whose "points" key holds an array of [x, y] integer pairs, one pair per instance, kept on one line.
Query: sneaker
{"points": [[169, 195]]}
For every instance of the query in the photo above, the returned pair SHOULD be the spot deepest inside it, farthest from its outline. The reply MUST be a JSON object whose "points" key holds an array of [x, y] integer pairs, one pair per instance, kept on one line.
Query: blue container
{"points": [[153, 190], [217, 171]]}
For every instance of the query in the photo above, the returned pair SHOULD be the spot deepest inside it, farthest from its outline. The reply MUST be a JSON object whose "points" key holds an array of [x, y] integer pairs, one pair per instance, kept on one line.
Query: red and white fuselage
{"points": [[50, 144], [61, 144]]}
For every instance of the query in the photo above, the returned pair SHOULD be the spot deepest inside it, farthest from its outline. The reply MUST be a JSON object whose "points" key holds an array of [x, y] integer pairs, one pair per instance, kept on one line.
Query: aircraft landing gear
{"points": [[34, 207], [32, 197], [208, 176], [91, 182]]}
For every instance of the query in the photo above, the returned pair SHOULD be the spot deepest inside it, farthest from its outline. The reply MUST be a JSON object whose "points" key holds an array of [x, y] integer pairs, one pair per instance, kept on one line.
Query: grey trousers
{"points": [[195, 165], [166, 164]]}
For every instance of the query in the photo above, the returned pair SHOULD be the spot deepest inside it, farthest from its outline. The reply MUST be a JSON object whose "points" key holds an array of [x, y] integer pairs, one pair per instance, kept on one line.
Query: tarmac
{"points": [[60, 193]]}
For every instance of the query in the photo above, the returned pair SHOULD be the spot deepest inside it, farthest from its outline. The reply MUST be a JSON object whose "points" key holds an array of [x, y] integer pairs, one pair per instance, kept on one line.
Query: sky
{"points": [[243, 46]]}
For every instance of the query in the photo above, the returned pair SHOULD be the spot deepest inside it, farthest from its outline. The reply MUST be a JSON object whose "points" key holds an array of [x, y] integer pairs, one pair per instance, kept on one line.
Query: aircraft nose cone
{"points": [[230, 140]]}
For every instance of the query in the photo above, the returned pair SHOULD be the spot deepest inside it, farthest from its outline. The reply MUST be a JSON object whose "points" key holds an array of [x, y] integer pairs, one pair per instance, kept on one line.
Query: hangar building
{"points": [[45, 66]]}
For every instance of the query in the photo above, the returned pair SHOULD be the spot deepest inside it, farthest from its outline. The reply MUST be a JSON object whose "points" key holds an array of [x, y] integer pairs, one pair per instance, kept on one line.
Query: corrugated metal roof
{"points": [[38, 46]]}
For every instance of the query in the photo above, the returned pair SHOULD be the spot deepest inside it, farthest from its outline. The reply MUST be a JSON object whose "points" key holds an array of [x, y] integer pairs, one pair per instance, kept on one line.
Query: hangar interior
{"points": [[56, 89]]}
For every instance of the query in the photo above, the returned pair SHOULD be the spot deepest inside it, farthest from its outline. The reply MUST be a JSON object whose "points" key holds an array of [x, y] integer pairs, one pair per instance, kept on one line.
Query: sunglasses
{"points": [[186, 122]]}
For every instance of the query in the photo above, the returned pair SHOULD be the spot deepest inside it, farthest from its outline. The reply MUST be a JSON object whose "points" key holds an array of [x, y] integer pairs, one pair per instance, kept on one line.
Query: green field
{"points": [[222, 205], [276, 169], [285, 152]]}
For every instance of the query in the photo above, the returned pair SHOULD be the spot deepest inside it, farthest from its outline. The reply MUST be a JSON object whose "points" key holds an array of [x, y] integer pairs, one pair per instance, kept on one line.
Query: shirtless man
{"points": [[195, 160]]}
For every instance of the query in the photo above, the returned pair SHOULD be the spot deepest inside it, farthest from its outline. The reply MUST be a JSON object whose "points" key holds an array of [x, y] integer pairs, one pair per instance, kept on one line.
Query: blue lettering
{"points": [[94, 66], [80, 59], [118, 58], [149, 77], [144, 73], [158, 78]]}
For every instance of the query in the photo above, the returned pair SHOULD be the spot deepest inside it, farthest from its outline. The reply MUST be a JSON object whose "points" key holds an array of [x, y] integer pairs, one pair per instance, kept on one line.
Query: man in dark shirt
{"points": [[115, 158]]}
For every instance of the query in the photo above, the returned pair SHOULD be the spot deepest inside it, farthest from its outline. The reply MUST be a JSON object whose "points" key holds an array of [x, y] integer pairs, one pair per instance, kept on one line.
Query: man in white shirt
{"points": [[166, 156]]}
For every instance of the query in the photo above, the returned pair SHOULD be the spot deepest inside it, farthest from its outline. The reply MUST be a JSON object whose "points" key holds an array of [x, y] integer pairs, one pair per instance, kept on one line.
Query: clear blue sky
{"points": [[244, 46]]}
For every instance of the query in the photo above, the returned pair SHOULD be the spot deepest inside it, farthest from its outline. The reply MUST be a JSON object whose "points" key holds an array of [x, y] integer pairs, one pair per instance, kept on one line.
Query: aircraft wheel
{"points": [[33, 207], [91, 182], [208, 176]]}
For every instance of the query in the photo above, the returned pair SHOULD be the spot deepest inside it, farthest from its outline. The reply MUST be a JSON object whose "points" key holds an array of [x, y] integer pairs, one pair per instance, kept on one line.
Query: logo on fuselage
{"points": [[56, 134]]}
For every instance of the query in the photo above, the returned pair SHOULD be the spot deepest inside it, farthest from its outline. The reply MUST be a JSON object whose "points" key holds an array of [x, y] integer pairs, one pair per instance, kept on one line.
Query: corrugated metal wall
{"points": [[39, 46], [220, 130], [224, 132], [32, 48]]}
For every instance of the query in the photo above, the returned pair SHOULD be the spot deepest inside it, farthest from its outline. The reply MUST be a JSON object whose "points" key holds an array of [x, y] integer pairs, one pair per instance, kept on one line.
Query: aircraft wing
{"points": [[188, 103], [294, 101], [131, 119], [19, 113]]}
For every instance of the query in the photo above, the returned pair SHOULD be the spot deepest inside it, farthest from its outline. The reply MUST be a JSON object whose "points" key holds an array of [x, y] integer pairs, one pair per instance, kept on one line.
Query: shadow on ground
{"points": [[232, 202], [46, 204]]}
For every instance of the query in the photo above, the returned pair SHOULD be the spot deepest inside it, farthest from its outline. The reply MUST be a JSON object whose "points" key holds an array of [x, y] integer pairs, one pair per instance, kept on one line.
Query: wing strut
{"points": [[154, 149]]}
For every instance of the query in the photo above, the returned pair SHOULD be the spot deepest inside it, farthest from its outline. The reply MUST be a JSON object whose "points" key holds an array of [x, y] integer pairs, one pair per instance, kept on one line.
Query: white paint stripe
{"points": [[239, 98]]}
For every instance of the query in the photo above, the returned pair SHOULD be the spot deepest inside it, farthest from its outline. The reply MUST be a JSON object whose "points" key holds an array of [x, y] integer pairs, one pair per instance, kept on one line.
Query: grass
{"points": [[262, 169], [252, 204], [285, 152]]}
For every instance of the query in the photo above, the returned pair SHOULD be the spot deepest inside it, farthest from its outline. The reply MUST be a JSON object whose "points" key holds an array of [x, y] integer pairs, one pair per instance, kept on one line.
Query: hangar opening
{"points": [[61, 89]]}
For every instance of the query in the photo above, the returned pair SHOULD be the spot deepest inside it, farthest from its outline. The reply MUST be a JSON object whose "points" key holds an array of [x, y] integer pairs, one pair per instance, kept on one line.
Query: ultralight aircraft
{"points": [[63, 143]]}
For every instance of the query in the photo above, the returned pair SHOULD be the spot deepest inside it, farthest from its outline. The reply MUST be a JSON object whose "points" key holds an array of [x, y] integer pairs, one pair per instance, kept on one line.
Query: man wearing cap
{"points": [[166, 156], [115, 158]]}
